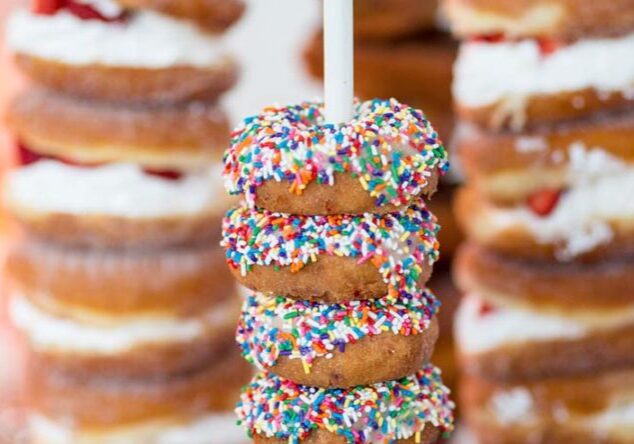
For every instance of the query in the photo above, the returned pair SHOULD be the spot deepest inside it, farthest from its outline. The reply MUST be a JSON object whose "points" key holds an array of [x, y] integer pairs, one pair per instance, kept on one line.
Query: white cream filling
{"points": [[486, 73], [513, 406], [147, 40], [47, 332], [208, 429], [122, 190], [477, 333]]}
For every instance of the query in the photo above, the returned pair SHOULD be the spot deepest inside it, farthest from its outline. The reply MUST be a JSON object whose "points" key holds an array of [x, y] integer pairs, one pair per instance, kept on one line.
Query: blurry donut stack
{"points": [[121, 289], [335, 241], [545, 91], [402, 52]]}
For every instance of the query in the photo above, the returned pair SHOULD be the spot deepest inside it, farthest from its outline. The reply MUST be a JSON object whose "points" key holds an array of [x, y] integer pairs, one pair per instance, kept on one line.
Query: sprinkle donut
{"points": [[415, 409], [339, 345], [331, 258], [287, 159]]}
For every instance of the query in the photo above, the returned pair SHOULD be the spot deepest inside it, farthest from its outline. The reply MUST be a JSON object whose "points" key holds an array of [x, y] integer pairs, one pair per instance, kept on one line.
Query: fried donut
{"points": [[413, 409], [176, 137], [289, 160], [508, 167], [392, 19], [521, 84], [338, 345], [587, 409], [331, 258], [145, 57], [557, 19], [132, 346], [188, 408]]}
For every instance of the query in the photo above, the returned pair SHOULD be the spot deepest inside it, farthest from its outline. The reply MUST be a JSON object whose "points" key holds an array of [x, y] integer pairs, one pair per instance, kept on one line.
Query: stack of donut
{"points": [[546, 332], [336, 244], [120, 287], [401, 51]]}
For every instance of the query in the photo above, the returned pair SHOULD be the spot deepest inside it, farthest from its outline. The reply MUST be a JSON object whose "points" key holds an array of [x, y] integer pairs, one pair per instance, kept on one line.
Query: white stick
{"points": [[338, 61]]}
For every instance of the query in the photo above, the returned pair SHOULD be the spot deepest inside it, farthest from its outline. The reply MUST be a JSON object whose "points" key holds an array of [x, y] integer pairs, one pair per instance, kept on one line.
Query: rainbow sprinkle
{"points": [[271, 327], [398, 244], [379, 413], [390, 147]]}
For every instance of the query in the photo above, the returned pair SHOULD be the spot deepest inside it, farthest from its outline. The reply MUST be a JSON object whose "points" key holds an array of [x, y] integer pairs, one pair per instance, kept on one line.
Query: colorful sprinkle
{"points": [[381, 413], [398, 244], [390, 147], [271, 327]]}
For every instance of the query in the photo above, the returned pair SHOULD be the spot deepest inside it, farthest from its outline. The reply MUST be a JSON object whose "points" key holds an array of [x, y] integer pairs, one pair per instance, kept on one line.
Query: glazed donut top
{"points": [[274, 407], [391, 148], [396, 243], [272, 327]]}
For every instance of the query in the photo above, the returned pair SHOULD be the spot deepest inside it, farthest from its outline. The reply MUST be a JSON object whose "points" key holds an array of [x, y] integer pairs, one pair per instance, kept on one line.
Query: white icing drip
{"points": [[513, 406], [506, 326], [486, 73], [49, 332], [116, 190], [147, 40]]}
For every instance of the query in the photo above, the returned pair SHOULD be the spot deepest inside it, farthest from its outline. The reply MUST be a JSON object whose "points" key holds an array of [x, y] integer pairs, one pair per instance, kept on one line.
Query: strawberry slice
{"points": [[489, 38], [87, 12], [544, 202], [164, 174], [548, 46], [47, 7], [485, 309]]}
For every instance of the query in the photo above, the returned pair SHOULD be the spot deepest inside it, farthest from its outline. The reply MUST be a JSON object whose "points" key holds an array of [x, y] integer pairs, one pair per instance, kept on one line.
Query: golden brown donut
{"points": [[390, 19], [559, 19], [430, 435], [553, 410], [176, 137], [184, 282], [212, 15], [508, 167]]}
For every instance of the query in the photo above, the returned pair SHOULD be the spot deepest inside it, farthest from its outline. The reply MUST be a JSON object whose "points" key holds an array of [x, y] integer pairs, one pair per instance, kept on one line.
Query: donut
{"points": [[416, 70], [212, 15], [338, 345], [589, 222], [141, 57], [288, 160], [586, 409], [184, 409], [277, 411], [92, 132], [97, 283], [518, 85], [331, 258], [500, 340], [555, 19], [508, 167], [379, 20], [117, 347], [450, 236]]}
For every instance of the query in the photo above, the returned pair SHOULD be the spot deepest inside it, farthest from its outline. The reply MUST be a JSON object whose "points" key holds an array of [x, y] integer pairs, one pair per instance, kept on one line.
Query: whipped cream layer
{"points": [[146, 40], [48, 332], [121, 190], [487, 73], [208, 429]]}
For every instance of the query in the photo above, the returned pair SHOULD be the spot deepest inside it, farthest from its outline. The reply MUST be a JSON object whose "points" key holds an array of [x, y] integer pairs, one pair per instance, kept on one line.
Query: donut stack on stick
{"points": [[545, 334], [121, 289], [336, 244]]}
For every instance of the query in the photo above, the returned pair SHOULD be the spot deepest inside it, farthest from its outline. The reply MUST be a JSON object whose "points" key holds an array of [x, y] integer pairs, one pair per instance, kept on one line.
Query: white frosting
{"points": [[147, 40], [122, 190], [513, 406], [486, 73], [48, 332], [209, 429], [506, 326]]}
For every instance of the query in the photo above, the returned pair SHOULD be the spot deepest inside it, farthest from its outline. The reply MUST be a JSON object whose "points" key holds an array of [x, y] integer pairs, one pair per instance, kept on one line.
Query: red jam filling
{"points": [[82, 10], [485, 309], [28, 157], [544, 202], [547, 46]]}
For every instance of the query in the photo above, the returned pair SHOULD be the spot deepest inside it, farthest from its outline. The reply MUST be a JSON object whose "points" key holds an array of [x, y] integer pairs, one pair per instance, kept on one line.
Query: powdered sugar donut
{"points": [[288, 159]]}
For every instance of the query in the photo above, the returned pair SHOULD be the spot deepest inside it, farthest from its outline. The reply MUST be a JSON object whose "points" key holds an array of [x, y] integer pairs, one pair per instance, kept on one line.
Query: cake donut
{"points": [[98, 50], [555, 19], [191, 408], [287, 159], [588, 409], [338, 345], [532, 82], [379, 20], [331, 258], [415, 409]]}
